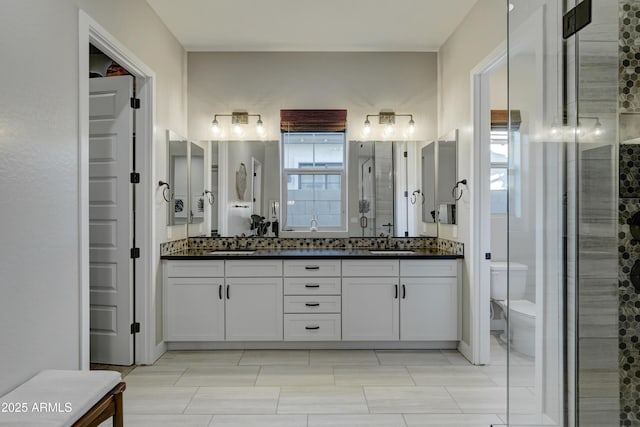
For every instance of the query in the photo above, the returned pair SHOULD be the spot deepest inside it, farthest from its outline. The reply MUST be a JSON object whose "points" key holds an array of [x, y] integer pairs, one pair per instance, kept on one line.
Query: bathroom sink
{"points": [[392, 252], [239, 252]]}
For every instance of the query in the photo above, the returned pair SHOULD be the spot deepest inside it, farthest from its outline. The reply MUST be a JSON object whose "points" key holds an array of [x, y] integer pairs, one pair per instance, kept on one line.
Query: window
{"points": [[505, 162], [314, 181], [499, 171]]}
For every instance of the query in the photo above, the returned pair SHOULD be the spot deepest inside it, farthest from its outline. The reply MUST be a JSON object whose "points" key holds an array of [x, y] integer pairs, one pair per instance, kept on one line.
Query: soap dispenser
{"points": [[314, 224]]}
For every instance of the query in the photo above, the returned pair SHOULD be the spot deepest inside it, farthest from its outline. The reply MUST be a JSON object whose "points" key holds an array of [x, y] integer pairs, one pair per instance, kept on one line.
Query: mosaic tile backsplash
{"points": [[629, 205], [234, 243], [629, 286]]}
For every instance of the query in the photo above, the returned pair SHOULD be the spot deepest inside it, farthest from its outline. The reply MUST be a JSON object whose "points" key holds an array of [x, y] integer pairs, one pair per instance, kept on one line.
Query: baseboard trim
{"points": [[465, 350], [320, 345]]}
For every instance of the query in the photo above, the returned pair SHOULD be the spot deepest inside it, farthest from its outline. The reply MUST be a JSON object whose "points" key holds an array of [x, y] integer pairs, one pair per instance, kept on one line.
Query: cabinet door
{"points": [[193, 309], [428, 309], [370, 309], [254, 309]]}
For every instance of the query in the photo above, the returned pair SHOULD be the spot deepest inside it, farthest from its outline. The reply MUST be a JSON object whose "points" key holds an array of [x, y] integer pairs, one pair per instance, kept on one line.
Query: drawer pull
{"points": [[220, 291], [312, 328], [404, 292], [312, 267], [227, 291], [312, 285], [396, 288], [312, 304]]}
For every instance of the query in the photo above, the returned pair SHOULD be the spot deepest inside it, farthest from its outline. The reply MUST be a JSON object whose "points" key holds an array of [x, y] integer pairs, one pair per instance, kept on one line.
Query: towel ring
{"points": [[414, 197], [210, 197], [455, 187], [167, 195]]}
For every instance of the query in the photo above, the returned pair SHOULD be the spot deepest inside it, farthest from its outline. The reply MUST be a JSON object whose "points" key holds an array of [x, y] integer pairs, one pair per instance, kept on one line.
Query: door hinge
{"points": [[405, 154], [576, 19], [135, 177], [135, 328], [135, 253], [487, 255], [406, 194], [135, 103]]}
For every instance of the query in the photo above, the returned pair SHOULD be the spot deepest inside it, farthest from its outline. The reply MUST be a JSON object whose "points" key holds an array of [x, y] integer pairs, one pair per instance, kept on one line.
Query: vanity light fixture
{"points": [[597, 130], [388, 120], [238, 120]]}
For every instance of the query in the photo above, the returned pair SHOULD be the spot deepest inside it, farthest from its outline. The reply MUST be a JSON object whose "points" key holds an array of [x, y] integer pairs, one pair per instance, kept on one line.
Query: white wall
{"points": [[265, 83], [39, 301], [458, 56]]}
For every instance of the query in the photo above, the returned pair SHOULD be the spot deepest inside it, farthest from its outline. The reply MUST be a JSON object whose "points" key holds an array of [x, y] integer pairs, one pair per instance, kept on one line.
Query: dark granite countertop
{"points": [[311, 253]]}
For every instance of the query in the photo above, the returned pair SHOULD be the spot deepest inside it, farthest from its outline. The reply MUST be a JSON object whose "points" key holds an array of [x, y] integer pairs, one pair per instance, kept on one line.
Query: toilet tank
{"points": [[517, 273]]}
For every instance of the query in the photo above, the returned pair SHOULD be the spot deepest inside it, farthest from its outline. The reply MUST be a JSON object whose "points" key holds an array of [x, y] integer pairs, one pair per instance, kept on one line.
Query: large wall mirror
{"points": [[248, 186], [177, 175], [372, 188], [428, 180], [447, 192], [197, 199], [389, 193], [384, 193]]}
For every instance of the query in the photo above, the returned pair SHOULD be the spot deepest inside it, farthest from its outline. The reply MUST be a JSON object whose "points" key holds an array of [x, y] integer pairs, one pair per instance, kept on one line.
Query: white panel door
{"points": [[110, 219], [429, 309], [253, 309], [370, 309]]}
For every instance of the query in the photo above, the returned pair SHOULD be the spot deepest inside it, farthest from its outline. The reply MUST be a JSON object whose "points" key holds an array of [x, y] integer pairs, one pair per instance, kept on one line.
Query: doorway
{"points": [[489, 86], [143, 307]]}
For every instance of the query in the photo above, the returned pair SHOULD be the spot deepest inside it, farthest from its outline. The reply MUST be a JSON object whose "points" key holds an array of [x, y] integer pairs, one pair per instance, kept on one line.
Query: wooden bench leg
{"points": [[109, 406], [118, 418]]}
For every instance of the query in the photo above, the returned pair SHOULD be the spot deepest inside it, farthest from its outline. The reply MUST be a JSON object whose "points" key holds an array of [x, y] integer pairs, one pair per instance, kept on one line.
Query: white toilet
{"points": [[522, 313]]}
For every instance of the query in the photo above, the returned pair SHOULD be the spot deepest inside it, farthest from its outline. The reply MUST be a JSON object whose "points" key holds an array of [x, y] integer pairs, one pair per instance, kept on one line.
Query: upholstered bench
{"points": [[64, 398]]}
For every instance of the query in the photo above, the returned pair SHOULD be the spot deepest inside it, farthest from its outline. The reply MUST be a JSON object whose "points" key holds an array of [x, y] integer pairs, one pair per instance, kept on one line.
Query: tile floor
{"points": [[317, 388]]}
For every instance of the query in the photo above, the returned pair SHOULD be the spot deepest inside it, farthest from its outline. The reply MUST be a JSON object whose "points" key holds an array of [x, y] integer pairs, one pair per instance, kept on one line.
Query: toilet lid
{"points": [[524, 307]]}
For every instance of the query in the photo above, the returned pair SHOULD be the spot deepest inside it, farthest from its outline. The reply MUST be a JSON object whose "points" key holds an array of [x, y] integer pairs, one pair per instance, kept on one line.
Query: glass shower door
{"points": [[535, 378]]}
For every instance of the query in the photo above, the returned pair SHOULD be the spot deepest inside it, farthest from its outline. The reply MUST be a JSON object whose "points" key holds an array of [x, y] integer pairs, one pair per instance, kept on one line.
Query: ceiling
{"points": [[312, 25]]}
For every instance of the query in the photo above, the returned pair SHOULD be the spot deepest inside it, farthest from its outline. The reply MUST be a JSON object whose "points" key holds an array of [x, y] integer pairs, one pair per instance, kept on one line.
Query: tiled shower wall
{"points": [[629, 205], [592, 299]]}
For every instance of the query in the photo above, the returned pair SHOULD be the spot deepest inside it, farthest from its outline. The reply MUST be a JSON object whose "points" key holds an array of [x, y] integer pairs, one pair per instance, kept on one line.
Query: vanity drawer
{"points": [[194, 268], [312, 304], [370, 268], [312, 268], [312, 327], [254, 268], [312, 286], [429, 268]]}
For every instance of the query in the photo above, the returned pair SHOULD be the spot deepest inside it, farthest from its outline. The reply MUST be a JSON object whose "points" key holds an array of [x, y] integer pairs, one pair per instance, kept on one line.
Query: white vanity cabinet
{"points": [[193, 300], [329, 300], [312, 300], [407, 300], [429, 300], [370, 300], [253, 297]]}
